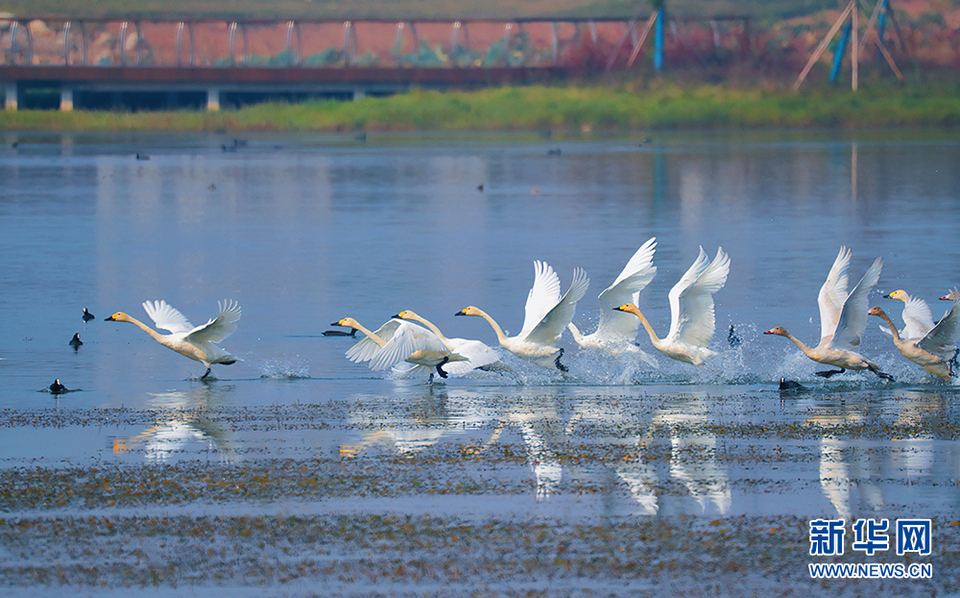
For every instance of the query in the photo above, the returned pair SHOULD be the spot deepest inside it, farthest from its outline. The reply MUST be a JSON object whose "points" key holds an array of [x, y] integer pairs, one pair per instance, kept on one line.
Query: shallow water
{"points": [[305, 230]]}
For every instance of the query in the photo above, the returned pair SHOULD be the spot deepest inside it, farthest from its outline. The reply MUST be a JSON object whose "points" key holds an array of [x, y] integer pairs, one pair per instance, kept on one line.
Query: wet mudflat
{"points": [[448, 492]]}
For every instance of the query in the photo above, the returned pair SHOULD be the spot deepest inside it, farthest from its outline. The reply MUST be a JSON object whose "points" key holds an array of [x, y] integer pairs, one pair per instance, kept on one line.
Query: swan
{"points": [[692, 319], [617, 331], [198, 343], [917, 317], [478, 354], [546, 315], [398, 341], [843, 320], [87, 316], [936, 349]]}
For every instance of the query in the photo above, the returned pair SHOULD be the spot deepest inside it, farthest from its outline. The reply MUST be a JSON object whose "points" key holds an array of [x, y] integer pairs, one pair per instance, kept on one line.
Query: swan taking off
{"points": [[917, 317], [398, 341], [478, 354], [843, 320], [692, 319], [617, 330], [934, 351], [546, 316], [199, 343]]}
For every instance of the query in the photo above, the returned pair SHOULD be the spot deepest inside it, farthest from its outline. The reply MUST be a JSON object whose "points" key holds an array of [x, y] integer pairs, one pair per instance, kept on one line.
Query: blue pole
{"points": [[838, 56], [882, 24], [658, 42]]}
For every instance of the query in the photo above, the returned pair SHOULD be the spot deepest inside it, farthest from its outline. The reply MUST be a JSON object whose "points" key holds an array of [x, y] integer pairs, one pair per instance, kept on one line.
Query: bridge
{"points": [[169, 63]]}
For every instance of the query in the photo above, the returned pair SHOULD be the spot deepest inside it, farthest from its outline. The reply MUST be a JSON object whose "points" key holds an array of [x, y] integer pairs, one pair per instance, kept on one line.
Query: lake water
{"points": [[303, 230]]}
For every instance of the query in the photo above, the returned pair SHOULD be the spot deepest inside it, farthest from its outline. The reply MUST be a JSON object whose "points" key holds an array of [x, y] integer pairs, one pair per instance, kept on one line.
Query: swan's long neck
{"points": [[501, 337], [369, 334], [160, 338], [646, 325], [892, 327], [800, 345], [433, 328]]}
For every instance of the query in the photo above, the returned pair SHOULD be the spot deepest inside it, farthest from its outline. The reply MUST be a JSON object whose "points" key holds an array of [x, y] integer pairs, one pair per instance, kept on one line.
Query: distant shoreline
{"points": [[588, 108]]}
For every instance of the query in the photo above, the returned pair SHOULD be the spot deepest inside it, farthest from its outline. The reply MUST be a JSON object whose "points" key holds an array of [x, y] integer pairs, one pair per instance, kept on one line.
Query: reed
{"points": [[574, 108]]}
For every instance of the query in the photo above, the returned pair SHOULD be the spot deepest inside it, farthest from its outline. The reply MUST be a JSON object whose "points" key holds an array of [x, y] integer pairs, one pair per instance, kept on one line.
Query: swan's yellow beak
{"points": [[462, 312], [112, 318], [621, 308]]}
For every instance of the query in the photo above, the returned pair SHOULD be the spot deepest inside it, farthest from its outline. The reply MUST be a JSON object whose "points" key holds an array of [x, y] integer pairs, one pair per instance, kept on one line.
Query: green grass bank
{"points": [[595, 108]]}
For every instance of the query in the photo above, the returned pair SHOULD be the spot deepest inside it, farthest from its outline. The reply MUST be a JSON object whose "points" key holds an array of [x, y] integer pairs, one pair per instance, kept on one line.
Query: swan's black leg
{"points": [[440, 371], [206, 374], [828, 373], [953, 363], [559, 365]]}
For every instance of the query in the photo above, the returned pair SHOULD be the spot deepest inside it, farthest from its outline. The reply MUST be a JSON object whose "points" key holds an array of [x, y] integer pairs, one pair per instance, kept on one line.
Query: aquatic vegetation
{"points": [[562, 107]]}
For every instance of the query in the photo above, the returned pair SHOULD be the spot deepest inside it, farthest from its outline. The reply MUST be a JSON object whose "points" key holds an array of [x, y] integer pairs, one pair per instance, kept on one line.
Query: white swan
{"points": [[617, 330], [692, 319], [843, 319], [936, 350], [478, 354], [397, 341], [546, 316], [198, 343], [917, 317]]}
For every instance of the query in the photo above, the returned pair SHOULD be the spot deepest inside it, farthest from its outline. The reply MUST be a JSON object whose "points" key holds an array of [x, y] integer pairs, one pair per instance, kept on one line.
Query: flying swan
{"points": [[935, 351], [546, 315], [917, 317], [398, 341], [478, 354], [198, 343], [843, 320], [617, 330], [692, 319]]}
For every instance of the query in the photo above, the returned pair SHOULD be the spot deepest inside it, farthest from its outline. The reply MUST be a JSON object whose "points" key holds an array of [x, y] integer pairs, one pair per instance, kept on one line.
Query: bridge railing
{"points": [[420, 43]]}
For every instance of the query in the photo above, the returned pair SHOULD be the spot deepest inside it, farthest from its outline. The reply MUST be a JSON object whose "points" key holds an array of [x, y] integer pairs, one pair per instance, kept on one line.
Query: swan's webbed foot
{"points": [[828, 373], [440, 371], [877, 371], [559, 365]]}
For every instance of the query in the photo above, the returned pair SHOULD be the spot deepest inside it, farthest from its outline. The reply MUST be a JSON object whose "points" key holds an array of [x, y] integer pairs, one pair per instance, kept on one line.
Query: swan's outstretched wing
{"points": [[853, 316], [367, 348], [833, 293], [635, 276], [166, 317], [220, 327], [942, 338], [691, 299], [406, 340], [478, 354], [549, 329], [917, 318], [542, 297]]}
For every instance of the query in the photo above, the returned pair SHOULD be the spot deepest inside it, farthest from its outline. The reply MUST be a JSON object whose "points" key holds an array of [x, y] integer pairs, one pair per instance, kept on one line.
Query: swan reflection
{"points": [[182, 419], [854, 472]]}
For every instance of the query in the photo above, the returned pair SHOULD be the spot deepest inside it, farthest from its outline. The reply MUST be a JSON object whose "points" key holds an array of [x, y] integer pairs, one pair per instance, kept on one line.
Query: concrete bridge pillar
{"points": [[213, 99], [66, 100], [10, 99]]}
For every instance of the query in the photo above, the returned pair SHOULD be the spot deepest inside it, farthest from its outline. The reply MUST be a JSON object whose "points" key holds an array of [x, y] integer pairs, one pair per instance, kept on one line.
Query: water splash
{"points": [[283, 368]]}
